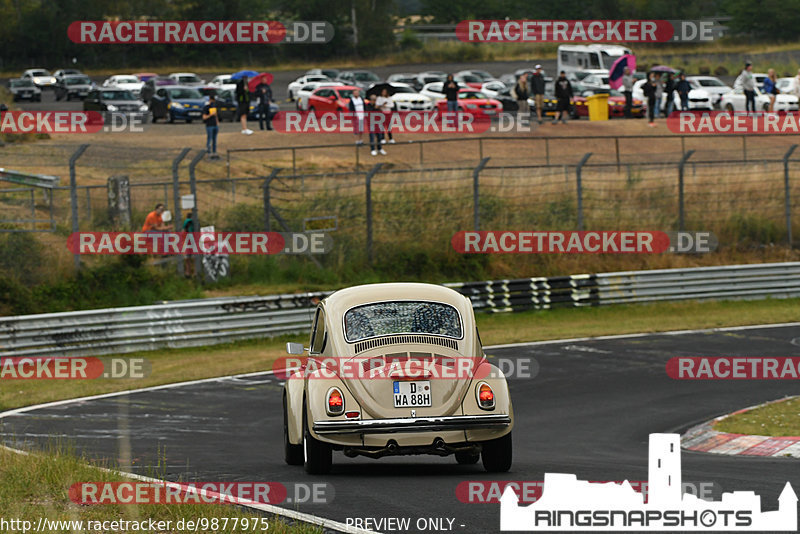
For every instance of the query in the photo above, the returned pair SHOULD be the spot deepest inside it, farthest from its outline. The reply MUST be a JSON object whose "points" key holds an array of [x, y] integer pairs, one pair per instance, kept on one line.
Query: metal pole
{"points": [[744, 148], [33, 209], [579, 184], [681, 213], [176, 195], [476, 197], [233, 191], [195, 219], [267, 199], [616, 143], [787, 194], [368, 188], [480, 148], [73, 195]]}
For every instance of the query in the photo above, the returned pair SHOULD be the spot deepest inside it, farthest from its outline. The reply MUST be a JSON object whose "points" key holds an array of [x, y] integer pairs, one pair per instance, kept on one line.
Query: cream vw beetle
{"points": [[395, 369]]}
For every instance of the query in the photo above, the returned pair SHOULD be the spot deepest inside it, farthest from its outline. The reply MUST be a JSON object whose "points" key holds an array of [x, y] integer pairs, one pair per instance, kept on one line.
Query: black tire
{"points": [[171, 118], [317, 455], [154, 119], [291, 97], [188, 121], [497, 454], [293, 454], [467, 458]]}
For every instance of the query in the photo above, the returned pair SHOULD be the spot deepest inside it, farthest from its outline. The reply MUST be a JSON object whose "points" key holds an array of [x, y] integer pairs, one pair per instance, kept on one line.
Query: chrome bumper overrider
{"points": [[412, 424]]}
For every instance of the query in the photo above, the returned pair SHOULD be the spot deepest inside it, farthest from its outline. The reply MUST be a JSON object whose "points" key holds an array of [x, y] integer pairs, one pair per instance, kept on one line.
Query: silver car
{"points": [[24, 89], [40, 77]]}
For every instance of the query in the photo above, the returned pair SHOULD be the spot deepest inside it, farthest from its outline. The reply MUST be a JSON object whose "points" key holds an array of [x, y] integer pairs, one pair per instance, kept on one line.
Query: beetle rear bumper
{"points": [[412, 424]]}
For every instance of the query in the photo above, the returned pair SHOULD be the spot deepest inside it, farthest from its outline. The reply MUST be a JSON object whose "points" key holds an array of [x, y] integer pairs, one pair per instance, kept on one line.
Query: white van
{"points": [[573, 58]]}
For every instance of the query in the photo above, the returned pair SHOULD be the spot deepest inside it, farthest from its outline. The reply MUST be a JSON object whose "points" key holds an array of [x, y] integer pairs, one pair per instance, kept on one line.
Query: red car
{"points": [[331, 98], [474, 102]]}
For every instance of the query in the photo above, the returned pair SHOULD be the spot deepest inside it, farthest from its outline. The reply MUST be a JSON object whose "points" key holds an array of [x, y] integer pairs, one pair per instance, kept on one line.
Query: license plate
{"points": [[489, 111], [417, 393], [194, 113]]}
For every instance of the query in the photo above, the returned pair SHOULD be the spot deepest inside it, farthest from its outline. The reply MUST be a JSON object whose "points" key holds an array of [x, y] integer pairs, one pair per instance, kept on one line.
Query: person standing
{"points": [[264, 95], [450, 89], [243, 104], [659, 87], [210, 118], [521, 93], [188, 261], [564, 98], [153, 222], [376, 138], [537, 90], [357, 107], [627, 90], [771, 88], [747, 82], [385, 104], [683, 88], [649, 90], [669, 90]]}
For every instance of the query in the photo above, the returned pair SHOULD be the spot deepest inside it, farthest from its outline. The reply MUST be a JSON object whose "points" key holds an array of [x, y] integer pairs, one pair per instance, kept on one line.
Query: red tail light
{"points": [[485, 396], [335, 402]]}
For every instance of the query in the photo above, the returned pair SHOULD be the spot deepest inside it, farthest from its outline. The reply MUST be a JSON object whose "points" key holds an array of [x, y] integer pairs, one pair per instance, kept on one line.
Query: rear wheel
{"points": [[497, 454], [467, 458], [293, 454], [318, 455]]}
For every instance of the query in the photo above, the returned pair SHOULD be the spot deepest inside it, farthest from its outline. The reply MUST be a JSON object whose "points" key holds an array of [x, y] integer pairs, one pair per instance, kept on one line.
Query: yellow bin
{"points": [[598, 107]]}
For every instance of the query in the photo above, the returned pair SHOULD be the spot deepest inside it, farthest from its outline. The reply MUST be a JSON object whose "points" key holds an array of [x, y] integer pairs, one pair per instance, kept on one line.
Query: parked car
{"points": [[735, 101], [301, 98], [144, 76], [712, 85], [24, 89], [788, 86], [759, 78], [330, 73], [431, 76], [224, 82], [40, 77], [186, 78], [498, 90], [359, 78], [296, 85], [480, 74], [475, 103], [331, 98], [405, 78], [580, 108], [470, 80], [226, 103], [73, 86], [409, 337], [179, 102], [405, 98], [59, 74], [435, 90], [597, 82], [112, 100], [125, 81]]}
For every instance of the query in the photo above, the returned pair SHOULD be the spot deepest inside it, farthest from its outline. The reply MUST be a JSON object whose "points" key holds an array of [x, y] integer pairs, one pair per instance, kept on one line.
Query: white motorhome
{"points": [[573, 58]]}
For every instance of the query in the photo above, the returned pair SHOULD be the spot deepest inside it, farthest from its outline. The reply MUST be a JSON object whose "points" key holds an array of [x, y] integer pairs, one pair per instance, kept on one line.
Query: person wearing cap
{"points": [[537, 90], [747, 82]]}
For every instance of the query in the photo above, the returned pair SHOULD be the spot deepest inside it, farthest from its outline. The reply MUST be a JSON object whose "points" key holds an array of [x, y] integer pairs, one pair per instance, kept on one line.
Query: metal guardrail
{"points": [[200, 322]]}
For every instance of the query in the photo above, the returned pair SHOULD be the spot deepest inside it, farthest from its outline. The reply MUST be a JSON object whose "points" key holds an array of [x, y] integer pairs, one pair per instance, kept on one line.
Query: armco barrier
{"points": [[211, 321]]}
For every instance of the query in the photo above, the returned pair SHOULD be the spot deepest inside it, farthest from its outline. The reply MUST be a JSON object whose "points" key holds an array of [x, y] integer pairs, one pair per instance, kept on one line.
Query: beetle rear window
{"points": [[403, 317]]}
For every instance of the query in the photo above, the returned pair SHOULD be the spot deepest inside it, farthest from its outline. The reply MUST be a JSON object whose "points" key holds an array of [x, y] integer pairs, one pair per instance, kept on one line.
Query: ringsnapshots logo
{"points": [[587, 31], [200, 32], [571, 242], [569, 504]]}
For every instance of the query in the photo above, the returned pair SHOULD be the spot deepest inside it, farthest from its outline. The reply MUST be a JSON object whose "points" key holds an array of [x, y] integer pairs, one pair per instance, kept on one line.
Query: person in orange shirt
{"points": [[153, 222]]}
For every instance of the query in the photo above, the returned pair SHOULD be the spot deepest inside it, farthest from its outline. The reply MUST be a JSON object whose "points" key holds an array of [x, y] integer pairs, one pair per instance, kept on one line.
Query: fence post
{"points": [[616, 143], [579, 184], [681, 214], [176, 194], [476, 196], [195, 218], [787, 197], [73, 195], [744, 148], [368, 187], [267, 199]]}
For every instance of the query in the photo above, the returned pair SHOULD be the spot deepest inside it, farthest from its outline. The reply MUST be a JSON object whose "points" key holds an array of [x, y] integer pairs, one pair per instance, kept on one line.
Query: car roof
{"points": [[344, 299], [338, 86], [183, 74]]}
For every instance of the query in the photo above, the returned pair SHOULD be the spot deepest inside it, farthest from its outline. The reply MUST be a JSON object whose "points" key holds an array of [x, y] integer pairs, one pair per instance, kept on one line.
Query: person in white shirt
{"points": [[357, 106], [385, 104]]}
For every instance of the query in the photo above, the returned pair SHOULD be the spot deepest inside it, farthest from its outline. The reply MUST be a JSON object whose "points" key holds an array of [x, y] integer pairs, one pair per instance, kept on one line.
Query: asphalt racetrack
{"points": [[588, 411]]}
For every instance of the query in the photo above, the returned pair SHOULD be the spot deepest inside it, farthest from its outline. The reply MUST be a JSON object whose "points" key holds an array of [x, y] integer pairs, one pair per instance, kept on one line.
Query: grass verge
{"points": [[176, 365], [34, 486], [775, 419]]}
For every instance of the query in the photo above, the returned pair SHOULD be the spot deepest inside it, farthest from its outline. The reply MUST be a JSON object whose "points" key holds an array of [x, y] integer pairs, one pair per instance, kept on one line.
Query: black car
{"points": [[73, 86], [110, 100], [226, 102], [152, 84], [359, 78], [408, 79]]}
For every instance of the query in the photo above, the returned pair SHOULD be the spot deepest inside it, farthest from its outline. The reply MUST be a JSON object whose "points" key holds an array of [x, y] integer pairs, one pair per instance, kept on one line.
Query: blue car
{"points": [[177, 103]]}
